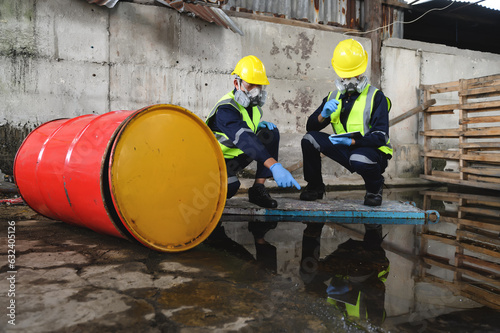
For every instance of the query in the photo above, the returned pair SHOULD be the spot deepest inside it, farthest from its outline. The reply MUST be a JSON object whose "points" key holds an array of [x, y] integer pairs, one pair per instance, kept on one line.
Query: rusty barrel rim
{"points": [[167, 178]]}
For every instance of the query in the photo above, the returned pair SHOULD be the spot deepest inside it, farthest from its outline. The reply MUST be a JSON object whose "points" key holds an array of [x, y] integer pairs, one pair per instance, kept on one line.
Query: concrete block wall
{"points": [[65, 58]]}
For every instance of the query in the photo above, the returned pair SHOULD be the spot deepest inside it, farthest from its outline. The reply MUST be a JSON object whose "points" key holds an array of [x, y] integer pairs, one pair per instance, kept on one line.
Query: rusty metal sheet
{"points": [[107, 3], [290, 209], [204, 10]]}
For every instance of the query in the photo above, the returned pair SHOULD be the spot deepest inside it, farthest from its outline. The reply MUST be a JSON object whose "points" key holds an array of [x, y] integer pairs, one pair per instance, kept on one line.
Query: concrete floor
{"points": [[64, 278], [70, 279]]}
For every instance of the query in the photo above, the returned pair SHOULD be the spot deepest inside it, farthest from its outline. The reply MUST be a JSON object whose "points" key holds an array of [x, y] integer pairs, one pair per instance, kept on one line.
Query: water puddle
{"points": [[434, 278]]}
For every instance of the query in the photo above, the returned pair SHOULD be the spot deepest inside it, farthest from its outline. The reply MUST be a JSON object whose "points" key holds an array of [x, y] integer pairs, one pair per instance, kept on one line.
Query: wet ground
{"points": [[304, 278]]}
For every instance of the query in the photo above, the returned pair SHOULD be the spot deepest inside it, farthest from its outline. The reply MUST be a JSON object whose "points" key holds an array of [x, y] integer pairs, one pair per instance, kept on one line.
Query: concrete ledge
{"points": [[354, 182]]}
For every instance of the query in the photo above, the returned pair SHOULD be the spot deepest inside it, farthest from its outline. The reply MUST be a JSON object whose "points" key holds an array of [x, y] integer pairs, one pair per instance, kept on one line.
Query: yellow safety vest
{"points": [[359, 118], [227, 146]]}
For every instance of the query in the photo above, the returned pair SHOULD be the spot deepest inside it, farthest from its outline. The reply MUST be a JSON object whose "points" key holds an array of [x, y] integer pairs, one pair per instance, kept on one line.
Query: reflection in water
{"points": [[265, 253], [463, 251], [444, 277], [352, 277]]}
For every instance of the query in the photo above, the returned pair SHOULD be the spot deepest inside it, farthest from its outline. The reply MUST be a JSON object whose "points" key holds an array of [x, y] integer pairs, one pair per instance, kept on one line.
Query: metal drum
{"points": [[156, 175]]}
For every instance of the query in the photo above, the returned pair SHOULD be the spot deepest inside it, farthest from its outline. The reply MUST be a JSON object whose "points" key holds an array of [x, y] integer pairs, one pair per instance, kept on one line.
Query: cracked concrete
{"points": [[71, 279]]}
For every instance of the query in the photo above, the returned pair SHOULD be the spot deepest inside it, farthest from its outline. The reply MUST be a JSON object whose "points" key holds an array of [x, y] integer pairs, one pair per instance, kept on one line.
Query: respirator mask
{"points": [[256, 96], [351, 84]]}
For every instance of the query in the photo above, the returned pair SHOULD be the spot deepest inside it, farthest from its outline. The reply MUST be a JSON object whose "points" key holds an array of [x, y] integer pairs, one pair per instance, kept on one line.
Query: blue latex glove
{"points": [[340, 141], [329, 108], [267, 124], [283, 177]]}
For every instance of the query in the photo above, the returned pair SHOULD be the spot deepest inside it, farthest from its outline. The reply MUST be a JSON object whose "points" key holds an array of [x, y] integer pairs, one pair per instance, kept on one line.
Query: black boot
{"points": [[374, 199], [258, 195], [311, 193]]}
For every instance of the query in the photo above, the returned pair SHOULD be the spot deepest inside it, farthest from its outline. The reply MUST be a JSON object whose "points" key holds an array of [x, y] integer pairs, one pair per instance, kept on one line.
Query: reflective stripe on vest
{"points": [[360, 115], [227, 146]]}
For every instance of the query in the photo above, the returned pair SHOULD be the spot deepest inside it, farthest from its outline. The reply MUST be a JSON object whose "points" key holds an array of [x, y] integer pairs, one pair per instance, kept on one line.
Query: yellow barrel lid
{"points": [[168, 178]]}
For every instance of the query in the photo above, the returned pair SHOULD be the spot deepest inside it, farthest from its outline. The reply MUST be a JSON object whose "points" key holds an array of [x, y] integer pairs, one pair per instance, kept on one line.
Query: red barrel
{"points": [[129, 174]]}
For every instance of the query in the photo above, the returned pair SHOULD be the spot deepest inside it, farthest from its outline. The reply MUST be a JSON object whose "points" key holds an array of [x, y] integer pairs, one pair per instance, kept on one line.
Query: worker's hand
{"points": [[283, 177], [329, 108], [267, 124], [340, 141]]}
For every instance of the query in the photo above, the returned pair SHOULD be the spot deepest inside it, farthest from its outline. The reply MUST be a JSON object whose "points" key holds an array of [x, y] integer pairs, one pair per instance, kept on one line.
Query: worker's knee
{"points": [[362, 164], [267, 136], [309, 142]]}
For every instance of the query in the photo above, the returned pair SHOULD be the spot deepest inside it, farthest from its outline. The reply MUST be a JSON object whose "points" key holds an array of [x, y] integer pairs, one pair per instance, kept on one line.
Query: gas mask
{"points": [[256, 96], [351, 84]]}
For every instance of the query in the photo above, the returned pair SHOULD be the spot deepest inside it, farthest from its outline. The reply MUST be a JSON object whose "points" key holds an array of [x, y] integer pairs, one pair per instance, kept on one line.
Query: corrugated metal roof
{"points": [[490, 4], [341, 13], [345, 13]]}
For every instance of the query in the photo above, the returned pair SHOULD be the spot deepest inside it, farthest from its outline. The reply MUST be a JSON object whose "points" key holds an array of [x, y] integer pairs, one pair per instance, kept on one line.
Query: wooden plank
{"points": [[483, 179], [476, 273], [483, 248], [427, 140], [444, 154], [442, 238], [480, 145], [462, 182], [480, 120], [462, 113], [490, 204], [467, 196], [477, 237], [445, 107], [441, 133], [440, 87], [371, 23], [490, 225], [482, 232], [490, 158], [492, 172], [412, 112], [480, 105], [290, 22], [438, 195], [447, 174], [481, 262], [482, 211], [482, 132], [397, 4], [448, 217], [482, 90], [483, 80], [482, 296]]}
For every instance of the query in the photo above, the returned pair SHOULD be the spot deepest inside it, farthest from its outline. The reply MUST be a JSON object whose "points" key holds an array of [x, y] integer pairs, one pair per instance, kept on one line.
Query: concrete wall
{"points": [[61, 58]]}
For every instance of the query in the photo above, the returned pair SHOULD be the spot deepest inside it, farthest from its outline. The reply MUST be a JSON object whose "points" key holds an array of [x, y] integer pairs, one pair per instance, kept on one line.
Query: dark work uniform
{"points": [[364, 157], [258, 146]]}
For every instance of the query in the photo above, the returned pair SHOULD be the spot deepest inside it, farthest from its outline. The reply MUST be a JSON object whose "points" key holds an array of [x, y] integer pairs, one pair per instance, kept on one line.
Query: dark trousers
{"points": [[368, 162], [270, 139]]}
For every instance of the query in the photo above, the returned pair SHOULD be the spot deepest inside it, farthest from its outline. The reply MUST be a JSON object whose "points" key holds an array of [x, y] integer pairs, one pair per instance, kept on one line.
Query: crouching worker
{"points": [[355, 106], [243, 137]]}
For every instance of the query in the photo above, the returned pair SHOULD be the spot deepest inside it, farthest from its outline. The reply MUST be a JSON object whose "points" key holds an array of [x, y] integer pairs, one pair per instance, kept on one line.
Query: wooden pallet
{"points": [[475, 135]]}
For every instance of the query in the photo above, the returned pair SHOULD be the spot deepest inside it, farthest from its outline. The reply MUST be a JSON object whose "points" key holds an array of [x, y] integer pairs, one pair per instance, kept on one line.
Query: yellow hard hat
{"points": [[251, 70], [349, 59]]}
